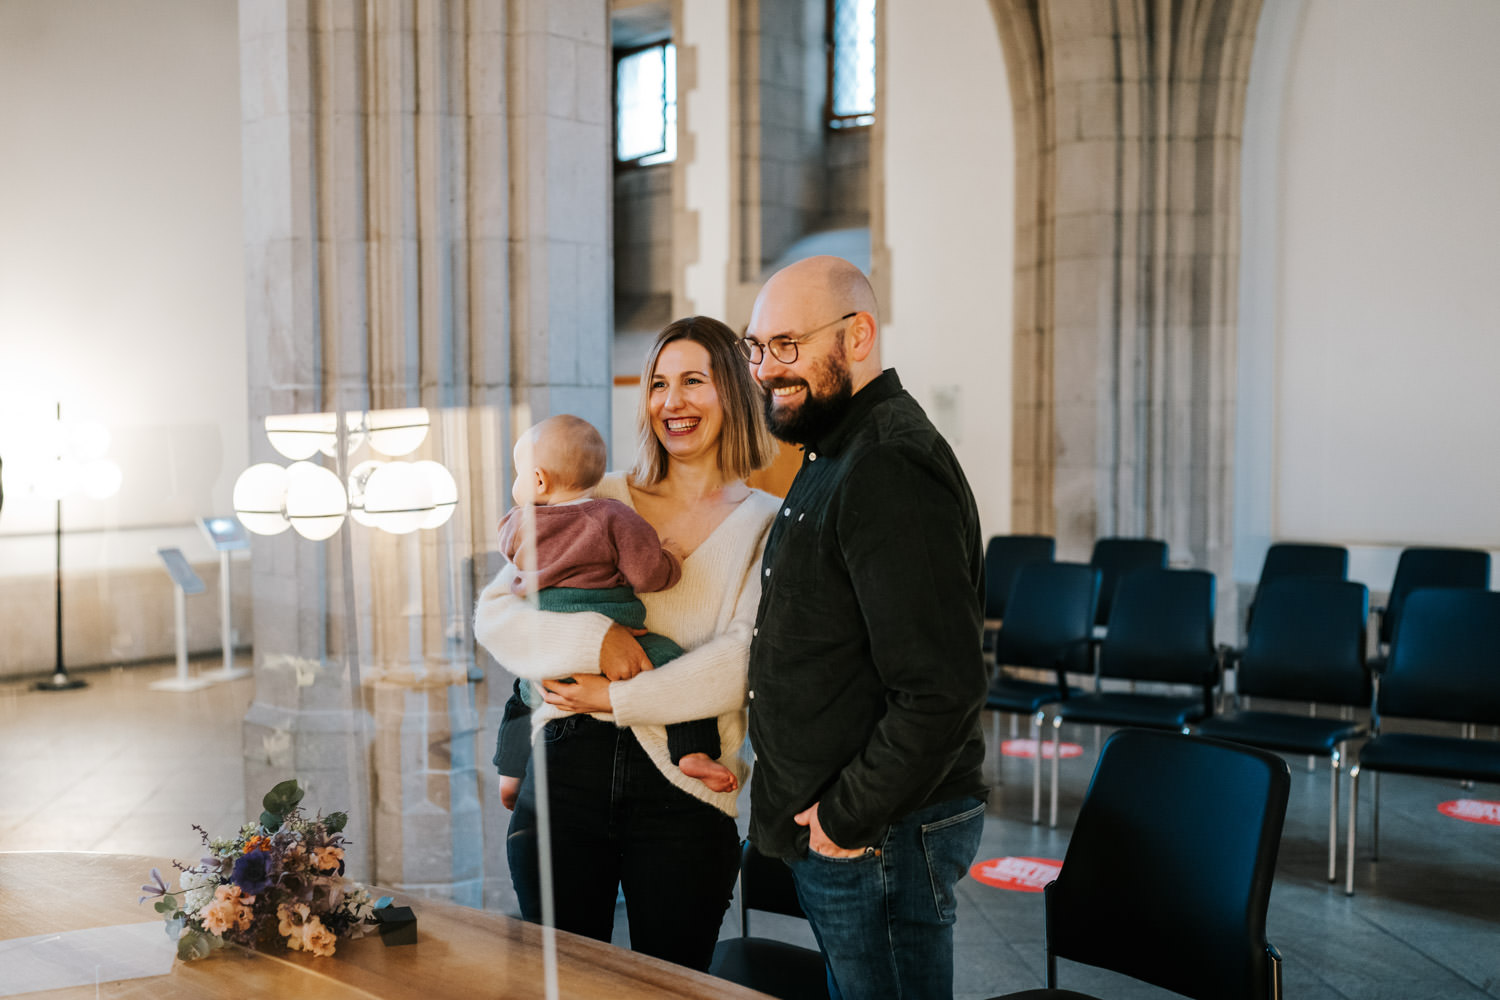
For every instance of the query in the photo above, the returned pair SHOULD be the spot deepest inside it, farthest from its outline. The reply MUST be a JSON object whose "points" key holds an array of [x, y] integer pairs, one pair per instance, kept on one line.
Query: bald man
{"points": [[866, 672]]}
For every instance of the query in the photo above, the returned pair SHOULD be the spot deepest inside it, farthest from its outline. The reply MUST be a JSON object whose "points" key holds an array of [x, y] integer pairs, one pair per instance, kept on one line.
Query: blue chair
{"points": [[1168, 874], [1419, 568], [1114, 558], [1297, 559], [1307, 643], [1004, 555], [1047, 627], [1161, 630], [776, 968], [1444, 665]]}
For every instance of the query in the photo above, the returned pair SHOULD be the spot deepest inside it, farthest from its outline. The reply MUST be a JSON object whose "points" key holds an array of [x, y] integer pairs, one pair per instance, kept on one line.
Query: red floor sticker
{"points": [[1018, 874], [1472, 810], [1027, 748]]}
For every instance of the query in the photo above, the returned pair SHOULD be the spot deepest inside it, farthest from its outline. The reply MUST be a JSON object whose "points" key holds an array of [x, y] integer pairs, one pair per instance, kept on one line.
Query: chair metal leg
{"points": [[1375, 818], [1353, 812], [1333, 812], [1056, 756], [1312, 762], [1036, 768]]}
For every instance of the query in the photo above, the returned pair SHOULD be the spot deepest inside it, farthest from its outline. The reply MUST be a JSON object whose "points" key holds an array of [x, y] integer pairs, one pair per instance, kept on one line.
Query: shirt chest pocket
{"points": [[806, 583]]}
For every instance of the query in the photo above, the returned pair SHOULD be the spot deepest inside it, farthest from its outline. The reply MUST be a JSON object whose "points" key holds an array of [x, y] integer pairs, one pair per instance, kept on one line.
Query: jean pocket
{"points": [[559, 729], [950, 844], [868, 855]]}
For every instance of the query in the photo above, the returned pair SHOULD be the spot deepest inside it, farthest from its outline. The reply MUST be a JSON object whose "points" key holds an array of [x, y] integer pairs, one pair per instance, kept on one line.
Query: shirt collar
{"points": [[876, 391]]}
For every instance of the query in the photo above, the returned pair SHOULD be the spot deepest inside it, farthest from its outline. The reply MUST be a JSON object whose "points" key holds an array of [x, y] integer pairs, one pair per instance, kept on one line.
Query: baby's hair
{"points": [[571, 450]]}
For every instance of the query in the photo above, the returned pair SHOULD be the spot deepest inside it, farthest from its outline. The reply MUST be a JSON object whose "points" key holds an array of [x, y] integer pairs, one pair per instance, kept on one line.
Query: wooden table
{"points": [[460, 952]]}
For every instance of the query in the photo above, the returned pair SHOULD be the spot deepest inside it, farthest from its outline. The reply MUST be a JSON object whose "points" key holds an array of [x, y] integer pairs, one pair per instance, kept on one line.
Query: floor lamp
{"points": [[100, 478]]}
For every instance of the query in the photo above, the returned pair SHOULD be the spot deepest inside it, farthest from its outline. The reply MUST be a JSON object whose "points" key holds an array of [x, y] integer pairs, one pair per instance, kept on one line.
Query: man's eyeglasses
{"points": [[782, 346]]}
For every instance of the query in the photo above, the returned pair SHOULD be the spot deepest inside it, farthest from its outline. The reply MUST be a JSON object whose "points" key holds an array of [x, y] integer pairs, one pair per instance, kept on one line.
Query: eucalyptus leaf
{"points": [[193, 944], [335, 822], [270, 822], [284, 797], [174, 927]]}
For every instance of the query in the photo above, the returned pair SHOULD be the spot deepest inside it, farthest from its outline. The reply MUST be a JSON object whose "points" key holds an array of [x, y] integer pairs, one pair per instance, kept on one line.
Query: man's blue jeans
{"points": [[885, 922]]}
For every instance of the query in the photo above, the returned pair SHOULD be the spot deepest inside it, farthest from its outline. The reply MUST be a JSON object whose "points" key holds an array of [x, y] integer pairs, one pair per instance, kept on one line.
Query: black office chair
{"points": [[1295, 559], [1307, 643], [1161, 630], [1168, 873], [1444, 665], [777, 968], [1047, 627], [1114, 558], [1417, 569]]}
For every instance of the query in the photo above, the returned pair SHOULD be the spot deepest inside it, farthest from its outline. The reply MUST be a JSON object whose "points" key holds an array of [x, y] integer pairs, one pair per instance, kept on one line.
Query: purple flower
{"points": [[252, 873], [156, 888]]}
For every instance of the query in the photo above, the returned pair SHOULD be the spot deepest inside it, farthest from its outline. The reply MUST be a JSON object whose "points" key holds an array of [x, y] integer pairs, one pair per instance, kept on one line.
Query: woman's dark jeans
{"points": [[617, 822]]}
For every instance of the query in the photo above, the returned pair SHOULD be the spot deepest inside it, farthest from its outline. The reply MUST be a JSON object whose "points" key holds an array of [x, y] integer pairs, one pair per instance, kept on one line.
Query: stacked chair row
{"points": [[1306, 643]]}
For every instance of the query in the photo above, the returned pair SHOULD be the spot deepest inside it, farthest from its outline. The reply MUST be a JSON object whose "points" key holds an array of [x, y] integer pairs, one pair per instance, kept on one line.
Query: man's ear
{"points": [[861, 334]]}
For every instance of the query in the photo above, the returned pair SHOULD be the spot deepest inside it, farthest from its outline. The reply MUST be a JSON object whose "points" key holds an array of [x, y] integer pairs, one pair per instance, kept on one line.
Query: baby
{"points": [[590, 555]]}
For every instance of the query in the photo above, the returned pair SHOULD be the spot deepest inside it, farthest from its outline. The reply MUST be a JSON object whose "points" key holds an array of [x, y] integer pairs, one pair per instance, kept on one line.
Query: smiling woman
{"points": [[617, 801]]}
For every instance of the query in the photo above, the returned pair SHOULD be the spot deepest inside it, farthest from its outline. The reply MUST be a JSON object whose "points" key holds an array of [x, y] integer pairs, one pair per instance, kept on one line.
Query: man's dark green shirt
{"points": [[866, 672]]}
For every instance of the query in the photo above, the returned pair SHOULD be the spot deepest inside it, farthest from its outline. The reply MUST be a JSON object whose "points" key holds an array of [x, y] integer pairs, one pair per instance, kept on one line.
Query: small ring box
{"points": [[397, 924]]}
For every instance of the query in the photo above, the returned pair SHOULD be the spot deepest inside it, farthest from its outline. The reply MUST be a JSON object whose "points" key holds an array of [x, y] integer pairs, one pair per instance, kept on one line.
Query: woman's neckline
{"points": [[735, 507]]}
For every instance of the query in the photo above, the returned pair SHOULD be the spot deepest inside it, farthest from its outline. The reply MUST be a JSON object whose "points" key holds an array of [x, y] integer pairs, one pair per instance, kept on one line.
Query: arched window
{"points": [[851, 63], [646, 105]]}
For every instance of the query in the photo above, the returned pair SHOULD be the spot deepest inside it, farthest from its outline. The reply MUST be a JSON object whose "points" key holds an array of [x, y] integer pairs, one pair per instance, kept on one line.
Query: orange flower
{"points": [[257, 843], [290, 919], [230, 910], [318, 939], [308, 934], [327, 858]]}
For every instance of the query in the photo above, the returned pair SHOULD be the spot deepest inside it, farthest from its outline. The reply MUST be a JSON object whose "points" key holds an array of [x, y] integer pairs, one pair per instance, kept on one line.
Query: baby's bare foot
{"points": [[716, 776]]}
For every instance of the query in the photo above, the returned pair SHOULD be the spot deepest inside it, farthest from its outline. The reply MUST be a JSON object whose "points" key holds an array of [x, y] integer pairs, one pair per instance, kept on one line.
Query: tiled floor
{"points": [[118, 767]]}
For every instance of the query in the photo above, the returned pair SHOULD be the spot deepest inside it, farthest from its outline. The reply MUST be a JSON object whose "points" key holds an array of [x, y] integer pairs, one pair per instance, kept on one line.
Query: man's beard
{"points": [[820, 410]]}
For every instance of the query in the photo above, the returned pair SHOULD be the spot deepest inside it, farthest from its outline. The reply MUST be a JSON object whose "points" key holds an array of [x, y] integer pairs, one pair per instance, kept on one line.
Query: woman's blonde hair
{"points": [[744, 442]]}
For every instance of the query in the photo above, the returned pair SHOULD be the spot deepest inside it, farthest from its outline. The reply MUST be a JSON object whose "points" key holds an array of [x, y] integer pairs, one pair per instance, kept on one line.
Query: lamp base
{"points": [[60, 681]]}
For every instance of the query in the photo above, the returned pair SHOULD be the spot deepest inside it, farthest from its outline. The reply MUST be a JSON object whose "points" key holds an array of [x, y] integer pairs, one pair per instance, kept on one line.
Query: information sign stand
{"points": [[184, 582], [226, 535]]}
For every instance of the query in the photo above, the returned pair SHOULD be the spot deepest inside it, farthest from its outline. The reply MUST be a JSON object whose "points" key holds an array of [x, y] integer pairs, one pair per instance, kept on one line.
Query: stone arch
{"points": [[1128, 127]]}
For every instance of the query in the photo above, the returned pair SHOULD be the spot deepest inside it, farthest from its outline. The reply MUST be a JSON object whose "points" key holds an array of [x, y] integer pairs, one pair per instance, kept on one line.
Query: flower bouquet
{"points": [[277, 883]]}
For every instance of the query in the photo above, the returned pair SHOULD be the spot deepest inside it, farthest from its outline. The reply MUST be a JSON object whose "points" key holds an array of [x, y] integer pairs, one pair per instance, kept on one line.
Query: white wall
{"points": [[950, 225], [1388, 319], [121, 287]]}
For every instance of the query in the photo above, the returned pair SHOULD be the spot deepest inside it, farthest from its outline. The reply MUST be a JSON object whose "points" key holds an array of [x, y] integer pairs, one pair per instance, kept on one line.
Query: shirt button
{"points": [[802, 515], [752, 695], [768, 571], [812, 456], [755, 631], [787, 512]]}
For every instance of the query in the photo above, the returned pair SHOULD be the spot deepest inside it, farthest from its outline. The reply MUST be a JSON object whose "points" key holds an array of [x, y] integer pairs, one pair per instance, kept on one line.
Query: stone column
{"points": [[562, 275], [396, 154], [1129, 118]]}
